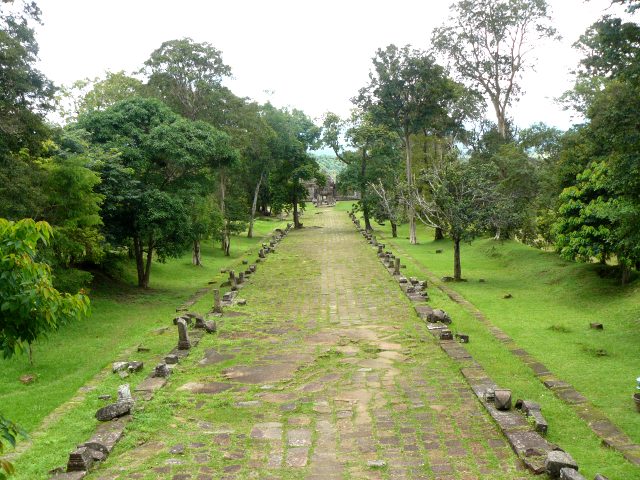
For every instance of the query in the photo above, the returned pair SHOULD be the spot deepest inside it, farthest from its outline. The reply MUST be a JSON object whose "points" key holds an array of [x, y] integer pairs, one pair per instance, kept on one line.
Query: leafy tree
{"points": [[161, 156], [489, 43], [30, 307], [409, 92], [9, 432], [25, 93], [187, 75], [86, 95], [295, 134], [460, 197]]}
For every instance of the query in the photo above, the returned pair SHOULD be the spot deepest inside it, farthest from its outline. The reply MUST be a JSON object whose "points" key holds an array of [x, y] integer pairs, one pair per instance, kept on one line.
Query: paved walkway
{"points": [[326, 374]]}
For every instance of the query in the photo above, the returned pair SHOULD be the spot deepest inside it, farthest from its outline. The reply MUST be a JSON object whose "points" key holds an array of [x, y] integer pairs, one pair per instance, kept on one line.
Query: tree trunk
{"points": [[502, 121], [226, 239], [457, 268], [147, 269], [254, 205], [30, 351], [225, 231], [363, 189], [394, 230], [625, 273], [367, 220], [438, 235], [296, 216], [411, 209], [196, 258], [139, 255]]}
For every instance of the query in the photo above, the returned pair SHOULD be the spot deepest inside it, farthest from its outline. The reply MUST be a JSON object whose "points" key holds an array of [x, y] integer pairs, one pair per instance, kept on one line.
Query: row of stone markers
{"points": [[539, 455], [191, 328]]}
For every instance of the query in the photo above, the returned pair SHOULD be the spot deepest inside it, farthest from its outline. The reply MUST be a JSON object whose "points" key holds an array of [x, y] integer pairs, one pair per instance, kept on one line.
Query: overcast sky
{"points": [[310, 55]]}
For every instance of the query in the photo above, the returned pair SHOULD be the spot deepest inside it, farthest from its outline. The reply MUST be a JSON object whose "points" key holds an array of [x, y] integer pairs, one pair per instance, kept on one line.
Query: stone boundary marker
{"points": [[107, 434], [610, 435], [537, 454]]}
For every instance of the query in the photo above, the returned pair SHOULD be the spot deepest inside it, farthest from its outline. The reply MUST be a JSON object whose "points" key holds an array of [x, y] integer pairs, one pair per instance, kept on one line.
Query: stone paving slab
{"points": [[333, 375]]}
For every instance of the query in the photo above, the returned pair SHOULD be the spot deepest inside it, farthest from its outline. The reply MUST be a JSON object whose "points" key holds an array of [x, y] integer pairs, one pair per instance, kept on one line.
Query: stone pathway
{"points": [[327, 373]]}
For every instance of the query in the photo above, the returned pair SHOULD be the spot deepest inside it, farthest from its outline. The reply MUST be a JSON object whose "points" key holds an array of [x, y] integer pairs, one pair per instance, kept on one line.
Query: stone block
{"points": [[80, 460], [556, 461], [114, 410], [570, 474]]}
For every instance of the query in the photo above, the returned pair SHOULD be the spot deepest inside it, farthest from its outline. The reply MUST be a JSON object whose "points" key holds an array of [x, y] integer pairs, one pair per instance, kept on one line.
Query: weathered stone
{"points": [[106, 436], [299, 438], [70, 476], [171, 359], [439, 315], [376, 464], [502, 399], [114, 410], [599, 476], [124, 393], [245, 262], [135, 366], [556, 461], [104, 397], [27, 379], [446, 335], [596, 326], [183, 335], [119, 366], [241, 301], [210, 326], [217, 307], [570, 474], [123, 374], [261, 253], [396, 266], [507, 295], [80, 460], [462, 337], [161, 371], [143, 349]]}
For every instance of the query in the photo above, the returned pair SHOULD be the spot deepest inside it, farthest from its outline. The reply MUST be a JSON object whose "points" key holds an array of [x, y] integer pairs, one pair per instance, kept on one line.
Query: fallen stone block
{"points": [[570, 474], [556, 461], [114, 410], [80, 460]]}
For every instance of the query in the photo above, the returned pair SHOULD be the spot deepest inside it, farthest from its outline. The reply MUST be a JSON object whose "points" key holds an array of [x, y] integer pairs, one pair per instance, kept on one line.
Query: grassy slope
{"points": [[549, 314], [122, 318]]}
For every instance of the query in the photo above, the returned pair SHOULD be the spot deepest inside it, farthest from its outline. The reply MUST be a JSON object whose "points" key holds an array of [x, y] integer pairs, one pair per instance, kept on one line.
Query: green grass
{"points": [[122, 317], [553, 301]]}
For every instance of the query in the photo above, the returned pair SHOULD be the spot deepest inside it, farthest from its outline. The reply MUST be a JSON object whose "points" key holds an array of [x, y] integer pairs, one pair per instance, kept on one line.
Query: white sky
{"points": [[311, 55]]}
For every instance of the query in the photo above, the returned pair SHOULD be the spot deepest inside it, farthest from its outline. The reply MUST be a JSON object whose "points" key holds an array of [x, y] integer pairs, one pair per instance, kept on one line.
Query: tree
{"points": [[186, 75], [489, 44], [295, 134], [161, 156], [30, 307], [25, 93], [86, 95], [409, 92], [9, 432], [460, 197], [366, 139]]}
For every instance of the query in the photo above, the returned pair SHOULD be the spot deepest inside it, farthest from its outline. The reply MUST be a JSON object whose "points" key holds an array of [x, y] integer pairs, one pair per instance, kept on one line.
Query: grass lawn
{"points": [[122, 318], [553, 303]]}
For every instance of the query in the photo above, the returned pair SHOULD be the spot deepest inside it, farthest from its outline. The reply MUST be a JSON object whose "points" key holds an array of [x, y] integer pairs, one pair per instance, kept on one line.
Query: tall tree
{"points": [[25, 93], [162, 156], [295, 135], [186, 75], [489, 43], [459, 198], [408, 92]]}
